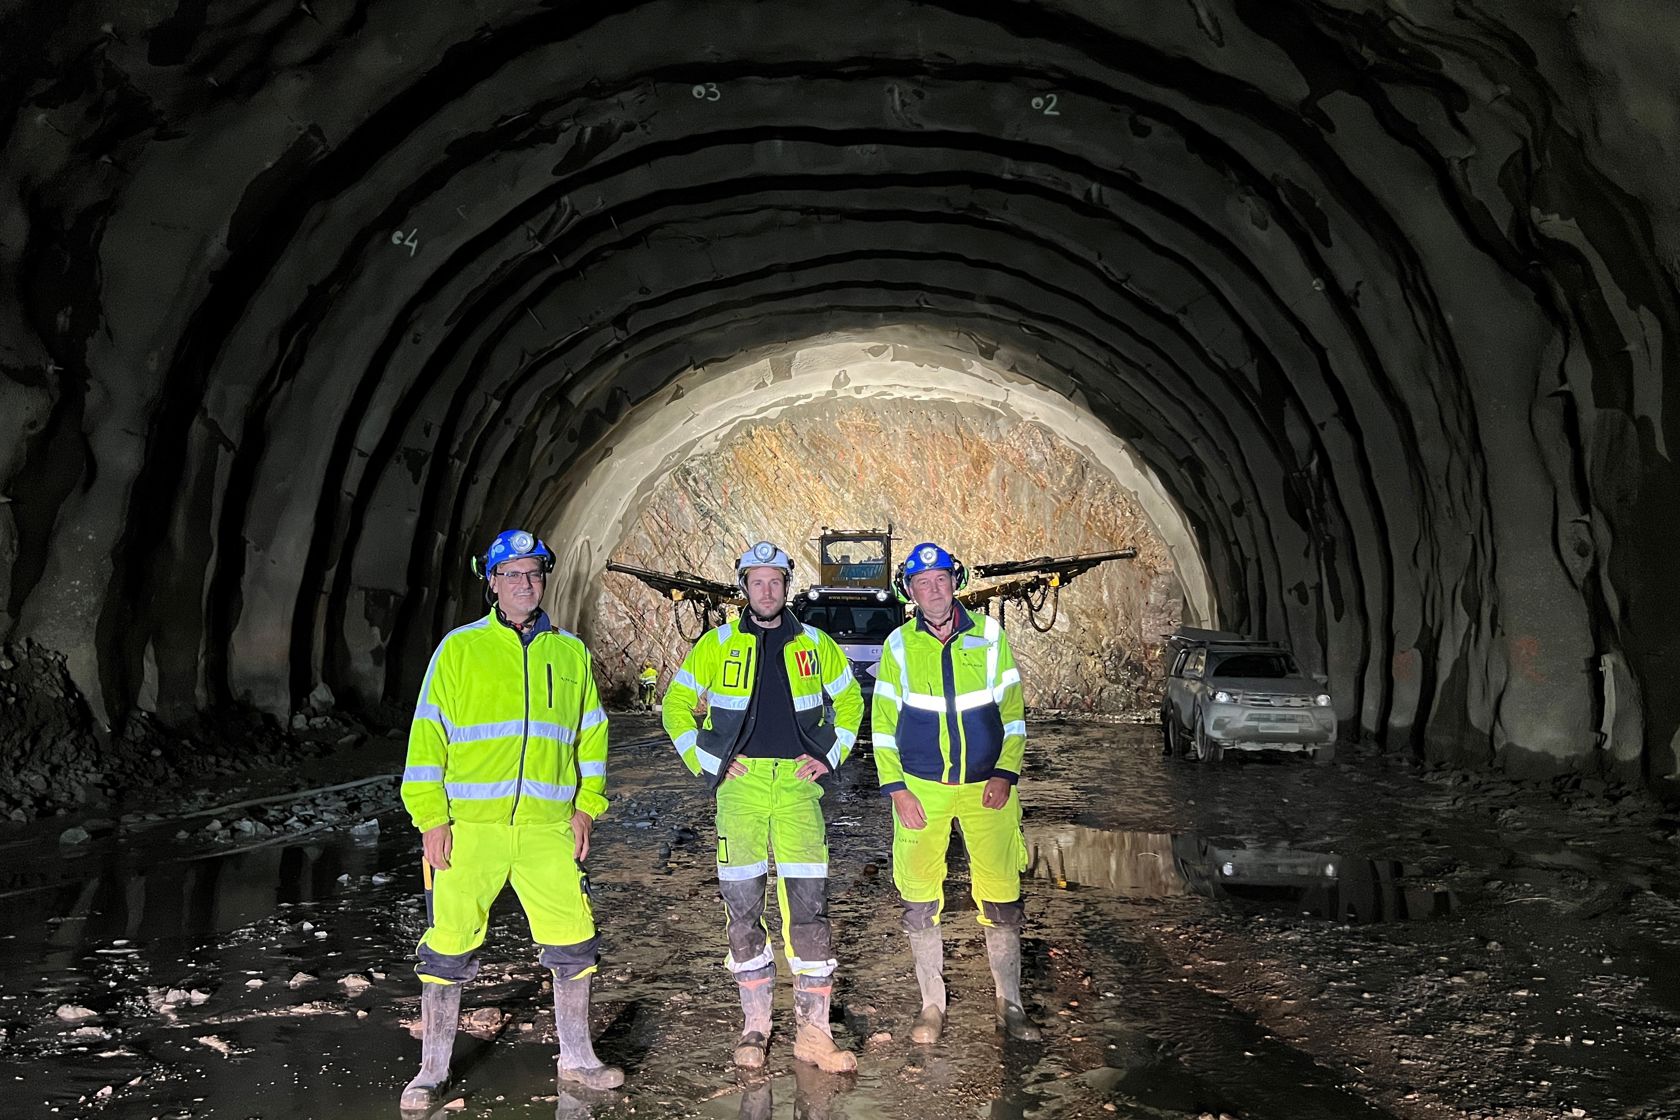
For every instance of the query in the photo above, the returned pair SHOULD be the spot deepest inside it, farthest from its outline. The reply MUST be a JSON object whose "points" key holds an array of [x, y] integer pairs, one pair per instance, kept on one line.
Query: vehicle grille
{"points": [[1265, 700]]}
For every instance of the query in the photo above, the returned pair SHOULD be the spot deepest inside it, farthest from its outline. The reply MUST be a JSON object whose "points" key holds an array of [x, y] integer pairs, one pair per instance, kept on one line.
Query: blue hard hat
{"points": [[512, 544], [928, 557]]}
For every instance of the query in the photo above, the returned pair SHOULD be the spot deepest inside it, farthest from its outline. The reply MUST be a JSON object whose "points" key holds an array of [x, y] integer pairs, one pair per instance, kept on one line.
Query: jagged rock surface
{"points": [[988, 486]]}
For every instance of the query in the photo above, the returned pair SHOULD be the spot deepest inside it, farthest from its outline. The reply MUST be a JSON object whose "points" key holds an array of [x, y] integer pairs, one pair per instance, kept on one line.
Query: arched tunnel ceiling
{"points": [[302, 301]]}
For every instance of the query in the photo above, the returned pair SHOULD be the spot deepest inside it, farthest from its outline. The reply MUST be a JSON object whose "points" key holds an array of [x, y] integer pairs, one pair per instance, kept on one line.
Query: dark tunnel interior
{"points": [[301, 303]]}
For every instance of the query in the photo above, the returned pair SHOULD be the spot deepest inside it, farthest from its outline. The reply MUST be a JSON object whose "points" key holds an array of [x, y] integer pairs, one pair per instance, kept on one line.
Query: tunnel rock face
{"points": [[302, 302], [987, 484]]}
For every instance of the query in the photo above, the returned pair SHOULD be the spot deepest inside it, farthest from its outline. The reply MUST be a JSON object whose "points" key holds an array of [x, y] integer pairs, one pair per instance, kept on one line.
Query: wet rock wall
{"points": [[299, 303]]}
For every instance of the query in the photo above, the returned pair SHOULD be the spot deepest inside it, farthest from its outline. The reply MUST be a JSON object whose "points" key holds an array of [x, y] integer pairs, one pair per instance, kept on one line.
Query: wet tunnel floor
{"points": [[1265, 939]]}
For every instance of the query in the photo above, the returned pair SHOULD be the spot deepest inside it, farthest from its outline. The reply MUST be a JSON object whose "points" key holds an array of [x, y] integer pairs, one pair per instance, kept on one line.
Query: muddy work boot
{"points": [[814, 1039], [577, 1060], [1003, 952], [440, 1015], [929, 950], [756, 992]]}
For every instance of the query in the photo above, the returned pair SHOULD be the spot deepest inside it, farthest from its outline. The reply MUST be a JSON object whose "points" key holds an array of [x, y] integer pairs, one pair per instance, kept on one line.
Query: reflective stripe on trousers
{"points": [[769, 812]]}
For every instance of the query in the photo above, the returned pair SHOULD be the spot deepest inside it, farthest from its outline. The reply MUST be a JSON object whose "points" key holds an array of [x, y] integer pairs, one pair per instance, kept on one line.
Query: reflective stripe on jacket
{"points": [[506, 731], [721, 668], [948, 711]]}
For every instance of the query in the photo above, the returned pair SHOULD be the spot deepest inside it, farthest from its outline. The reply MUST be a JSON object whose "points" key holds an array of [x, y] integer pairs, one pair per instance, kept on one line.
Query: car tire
{"points": [[1324, 755], [1167, 735], [1206, 749]]}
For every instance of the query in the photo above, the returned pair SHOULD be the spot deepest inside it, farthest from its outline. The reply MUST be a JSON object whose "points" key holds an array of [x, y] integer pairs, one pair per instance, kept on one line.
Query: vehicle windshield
{"points": [[859, 561], [870, 622], [1274, 665]]}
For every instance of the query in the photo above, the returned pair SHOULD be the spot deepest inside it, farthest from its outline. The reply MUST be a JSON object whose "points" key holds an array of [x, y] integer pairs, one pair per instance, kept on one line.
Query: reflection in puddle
{"points": [[125, 897], [1161, 865]]}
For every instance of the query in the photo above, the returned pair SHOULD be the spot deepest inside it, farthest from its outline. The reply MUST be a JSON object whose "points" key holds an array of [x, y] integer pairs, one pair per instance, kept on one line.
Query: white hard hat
{"points": [[763, 555]]}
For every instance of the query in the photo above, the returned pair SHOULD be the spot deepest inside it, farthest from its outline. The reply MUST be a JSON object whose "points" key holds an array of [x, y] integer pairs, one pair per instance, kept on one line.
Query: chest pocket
{"points": [[974, 655], [551, 682]]}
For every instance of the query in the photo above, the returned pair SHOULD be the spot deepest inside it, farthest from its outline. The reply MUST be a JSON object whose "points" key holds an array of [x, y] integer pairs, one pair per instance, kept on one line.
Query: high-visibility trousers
{"points": [[997, 854], [770, 810], [550, 884]]}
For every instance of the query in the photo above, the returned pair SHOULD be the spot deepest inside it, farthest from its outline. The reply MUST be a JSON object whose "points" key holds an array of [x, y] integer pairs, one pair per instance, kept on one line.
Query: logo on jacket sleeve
{"points": [[807, 660]]}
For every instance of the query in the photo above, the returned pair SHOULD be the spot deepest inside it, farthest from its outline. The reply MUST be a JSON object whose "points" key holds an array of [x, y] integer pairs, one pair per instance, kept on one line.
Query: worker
{"points": [[949, 735], [763, 744], [649, 683], [505, 777]]}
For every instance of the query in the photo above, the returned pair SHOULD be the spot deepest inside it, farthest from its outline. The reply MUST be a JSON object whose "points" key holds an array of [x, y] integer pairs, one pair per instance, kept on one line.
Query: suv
{"points": [[1225, 692]]}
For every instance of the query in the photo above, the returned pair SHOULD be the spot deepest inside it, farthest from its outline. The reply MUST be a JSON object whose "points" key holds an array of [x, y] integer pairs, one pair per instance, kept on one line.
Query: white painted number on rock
{"points": [[399, 239], [1047, 105], [707, 91]]}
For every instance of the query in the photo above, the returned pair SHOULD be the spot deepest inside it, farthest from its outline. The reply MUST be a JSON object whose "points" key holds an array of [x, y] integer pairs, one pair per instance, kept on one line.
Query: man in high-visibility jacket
{"points": [[949, 735], [763, 745], [506, 774], [649, 684]]}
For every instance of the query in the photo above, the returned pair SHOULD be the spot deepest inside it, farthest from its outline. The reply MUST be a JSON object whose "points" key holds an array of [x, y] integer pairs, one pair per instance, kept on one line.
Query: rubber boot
{"points": [[440, 1015], [1003, 952], [928, 947], [756, 994], [813, 1041], [571, 1028]]}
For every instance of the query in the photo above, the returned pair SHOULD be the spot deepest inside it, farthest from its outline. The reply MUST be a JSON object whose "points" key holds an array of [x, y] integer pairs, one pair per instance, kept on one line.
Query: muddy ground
{"points": [[1263, 939]]}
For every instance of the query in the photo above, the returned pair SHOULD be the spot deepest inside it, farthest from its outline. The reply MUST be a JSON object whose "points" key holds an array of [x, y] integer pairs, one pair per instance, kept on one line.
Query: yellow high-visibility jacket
{"points": [[721, 668], [948, 712], [506, 731]]}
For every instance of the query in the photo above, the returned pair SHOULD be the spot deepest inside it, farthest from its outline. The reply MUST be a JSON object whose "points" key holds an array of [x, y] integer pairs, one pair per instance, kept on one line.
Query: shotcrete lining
{"points": [[1397, 214]]}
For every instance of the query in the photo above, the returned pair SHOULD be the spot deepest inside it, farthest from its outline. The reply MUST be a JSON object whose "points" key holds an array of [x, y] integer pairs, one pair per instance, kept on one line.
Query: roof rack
{"points": [[1192, 635]]}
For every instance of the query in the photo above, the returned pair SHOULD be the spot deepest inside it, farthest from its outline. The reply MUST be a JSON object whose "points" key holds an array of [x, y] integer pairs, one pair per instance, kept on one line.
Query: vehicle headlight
{"points": [[1228, 870], [1329, 871], [811, 594], [1222, 697], [1322, 699], [880, 596]]}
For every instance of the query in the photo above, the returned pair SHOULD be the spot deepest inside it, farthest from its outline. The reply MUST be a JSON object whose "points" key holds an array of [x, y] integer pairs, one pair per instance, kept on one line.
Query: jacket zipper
{"points": [[525, 733], [953, 720], [550, 669]]}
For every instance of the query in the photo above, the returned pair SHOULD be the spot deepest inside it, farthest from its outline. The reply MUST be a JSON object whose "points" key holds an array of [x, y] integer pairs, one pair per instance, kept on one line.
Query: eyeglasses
{"points": [[528, 578]]}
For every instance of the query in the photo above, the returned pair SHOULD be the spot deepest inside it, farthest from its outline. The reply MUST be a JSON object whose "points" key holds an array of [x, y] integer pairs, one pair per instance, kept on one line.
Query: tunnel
{"points": [[1370, 305]]}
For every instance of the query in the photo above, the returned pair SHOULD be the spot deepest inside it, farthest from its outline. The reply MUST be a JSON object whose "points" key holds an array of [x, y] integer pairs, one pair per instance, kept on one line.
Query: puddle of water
{"points": [[1155, 865], [99, 899]]}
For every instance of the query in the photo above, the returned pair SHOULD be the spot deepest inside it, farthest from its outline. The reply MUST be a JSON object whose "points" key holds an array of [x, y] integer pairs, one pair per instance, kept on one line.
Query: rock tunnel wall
{"points": [[988, 484], [299, 303]]}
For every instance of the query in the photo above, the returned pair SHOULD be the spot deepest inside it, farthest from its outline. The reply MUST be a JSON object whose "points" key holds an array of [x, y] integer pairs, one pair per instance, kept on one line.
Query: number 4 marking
{"points": [[412, 242]]}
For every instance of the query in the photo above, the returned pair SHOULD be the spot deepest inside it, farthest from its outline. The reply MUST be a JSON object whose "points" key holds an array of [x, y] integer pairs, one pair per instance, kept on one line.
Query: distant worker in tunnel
{"points": [[763, 743], [949, 735], [649, 683], [506, 774]]}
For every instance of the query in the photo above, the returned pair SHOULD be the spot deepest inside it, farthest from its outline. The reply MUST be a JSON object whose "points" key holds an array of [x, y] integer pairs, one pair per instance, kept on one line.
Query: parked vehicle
{"points": [[1226, 693]]}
